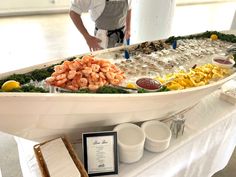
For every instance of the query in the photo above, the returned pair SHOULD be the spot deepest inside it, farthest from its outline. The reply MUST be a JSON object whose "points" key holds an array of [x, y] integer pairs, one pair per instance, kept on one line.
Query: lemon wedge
{"points": [[131, 86], [10, 85], [214, 37]]}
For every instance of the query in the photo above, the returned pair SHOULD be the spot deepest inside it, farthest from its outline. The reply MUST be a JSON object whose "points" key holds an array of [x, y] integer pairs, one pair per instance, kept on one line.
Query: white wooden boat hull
{"points": [[39, 116]]}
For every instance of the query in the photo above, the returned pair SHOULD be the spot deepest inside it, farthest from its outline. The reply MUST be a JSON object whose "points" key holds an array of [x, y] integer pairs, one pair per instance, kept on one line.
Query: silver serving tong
{"points": [[130, 90], [177, 125], [54, 89], [231, 49]]}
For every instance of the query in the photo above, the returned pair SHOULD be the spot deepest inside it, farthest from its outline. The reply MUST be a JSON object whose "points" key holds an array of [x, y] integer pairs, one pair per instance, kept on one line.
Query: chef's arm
{"points": [[92, 41], [128, 24]]}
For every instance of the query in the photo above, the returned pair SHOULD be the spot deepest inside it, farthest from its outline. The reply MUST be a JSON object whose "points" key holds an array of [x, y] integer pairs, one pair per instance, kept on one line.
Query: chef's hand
{"points": [[127, 34], [93, 43]]}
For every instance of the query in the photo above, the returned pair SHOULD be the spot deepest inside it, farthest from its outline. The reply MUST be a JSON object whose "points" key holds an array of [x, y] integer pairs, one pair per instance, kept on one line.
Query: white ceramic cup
{"points": [[131, 140], [158, 136]]}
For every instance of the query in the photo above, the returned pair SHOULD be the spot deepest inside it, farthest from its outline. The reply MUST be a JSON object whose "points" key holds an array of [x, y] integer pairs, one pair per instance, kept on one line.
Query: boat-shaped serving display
{"points": [[160, 79]]}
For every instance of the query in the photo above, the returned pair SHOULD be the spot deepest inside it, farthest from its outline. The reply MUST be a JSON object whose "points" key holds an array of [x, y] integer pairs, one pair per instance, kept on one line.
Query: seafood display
{"points": [[102, 89], [190, 52], [190, 63], [184, 63]]}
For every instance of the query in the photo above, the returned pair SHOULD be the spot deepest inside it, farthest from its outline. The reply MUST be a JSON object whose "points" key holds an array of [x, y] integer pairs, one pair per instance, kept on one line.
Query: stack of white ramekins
{"points": [[153, 135]]}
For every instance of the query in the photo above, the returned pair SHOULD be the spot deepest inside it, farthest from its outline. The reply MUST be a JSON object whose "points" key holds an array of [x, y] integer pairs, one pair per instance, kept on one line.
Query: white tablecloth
{"points": [[205, 148]]}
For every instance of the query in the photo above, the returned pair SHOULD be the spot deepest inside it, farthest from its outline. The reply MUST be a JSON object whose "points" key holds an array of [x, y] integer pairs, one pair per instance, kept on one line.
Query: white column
{"points": [[233, 25], [151, 19]]}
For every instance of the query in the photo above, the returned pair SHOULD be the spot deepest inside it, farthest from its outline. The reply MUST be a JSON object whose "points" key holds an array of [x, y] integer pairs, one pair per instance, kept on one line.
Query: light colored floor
{"points": [[26, 41], [30, 40], [9, 162]]}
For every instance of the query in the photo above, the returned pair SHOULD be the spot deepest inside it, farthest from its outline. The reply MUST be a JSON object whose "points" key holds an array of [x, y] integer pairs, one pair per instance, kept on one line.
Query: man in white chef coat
{"points": [[112, 21]]}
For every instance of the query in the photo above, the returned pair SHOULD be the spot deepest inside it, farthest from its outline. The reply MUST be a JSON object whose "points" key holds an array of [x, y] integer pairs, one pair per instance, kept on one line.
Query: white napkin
{"points": [[58, 159], [102, 35]]}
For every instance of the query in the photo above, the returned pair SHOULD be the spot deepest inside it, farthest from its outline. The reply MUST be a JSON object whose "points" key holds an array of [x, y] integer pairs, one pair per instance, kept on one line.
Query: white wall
{"points": [[199, 1], [16, 6]]}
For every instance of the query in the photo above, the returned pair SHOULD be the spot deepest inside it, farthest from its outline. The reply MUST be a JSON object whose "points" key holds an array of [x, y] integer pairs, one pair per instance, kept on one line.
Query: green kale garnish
{"points": [[207, 34], [40, 74], [163, 89], [110, 89], [21, 78], [29, 88]]}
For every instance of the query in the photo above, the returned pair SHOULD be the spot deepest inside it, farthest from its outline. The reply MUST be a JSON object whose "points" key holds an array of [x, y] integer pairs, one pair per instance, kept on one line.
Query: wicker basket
{"points": [[43, 165]]}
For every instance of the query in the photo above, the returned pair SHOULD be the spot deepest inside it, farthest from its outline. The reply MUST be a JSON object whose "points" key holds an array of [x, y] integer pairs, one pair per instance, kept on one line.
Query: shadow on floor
{"points": [[230, 169], [9, 161]]}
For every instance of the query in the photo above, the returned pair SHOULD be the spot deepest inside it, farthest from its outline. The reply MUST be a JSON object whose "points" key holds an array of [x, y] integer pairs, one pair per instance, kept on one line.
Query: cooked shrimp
{"points": [[71, 74], [114, 68], [66, 64], [95, 67], [94, 76], [59, 69], [102, 75], [61, 76], [61, 82], [115, 82], [87, 59], [83, 82], [79, 74], [93, 87], [55, 74], [75, 83], [50, 79], [77, 78], [72, 67], [105, 69], [119, 77], [72, 87], [101, 82], [85, 73], [87, 70], [77, 65], [104, 63], [110, 75]]}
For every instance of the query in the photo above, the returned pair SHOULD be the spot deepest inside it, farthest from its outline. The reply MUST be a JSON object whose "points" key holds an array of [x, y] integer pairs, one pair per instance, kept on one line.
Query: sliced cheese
{"points": [[58, 159]]}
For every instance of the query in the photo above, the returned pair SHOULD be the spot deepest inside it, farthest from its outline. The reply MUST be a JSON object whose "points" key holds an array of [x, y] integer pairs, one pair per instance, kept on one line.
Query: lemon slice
{"points": [[131, 86], [10, 85], [214, 37]]}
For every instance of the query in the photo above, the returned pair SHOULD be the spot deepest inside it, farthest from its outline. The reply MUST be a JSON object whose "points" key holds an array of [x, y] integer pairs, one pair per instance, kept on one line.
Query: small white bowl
{"points": [[223, 61], [131, 140], [158, 136]]}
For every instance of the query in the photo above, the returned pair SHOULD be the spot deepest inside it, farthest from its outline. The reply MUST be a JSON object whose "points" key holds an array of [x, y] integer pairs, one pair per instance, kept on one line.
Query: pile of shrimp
{"points": [[87, 72]]}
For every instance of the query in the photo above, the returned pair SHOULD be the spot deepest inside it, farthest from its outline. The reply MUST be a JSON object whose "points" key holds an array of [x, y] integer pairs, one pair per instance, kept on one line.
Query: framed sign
{"points": [[100, 153]]}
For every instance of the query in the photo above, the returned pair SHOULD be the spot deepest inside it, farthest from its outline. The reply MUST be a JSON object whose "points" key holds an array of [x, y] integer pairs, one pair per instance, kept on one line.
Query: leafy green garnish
{"points": [[110, 89], [207, 34], [21, 78], [79, 91], [40, 74], [163, 89], [28, 88]]}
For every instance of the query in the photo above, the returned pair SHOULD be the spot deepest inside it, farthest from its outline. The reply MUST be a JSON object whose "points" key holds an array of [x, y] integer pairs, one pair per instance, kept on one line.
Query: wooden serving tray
{"points": [[43, 166]]}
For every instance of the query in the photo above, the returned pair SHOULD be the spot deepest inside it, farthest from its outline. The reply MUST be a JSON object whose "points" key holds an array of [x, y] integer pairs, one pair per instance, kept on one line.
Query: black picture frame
{"points": [[114, 155]]}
